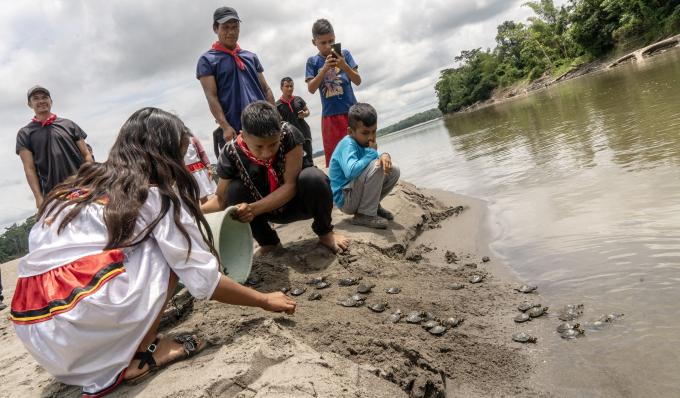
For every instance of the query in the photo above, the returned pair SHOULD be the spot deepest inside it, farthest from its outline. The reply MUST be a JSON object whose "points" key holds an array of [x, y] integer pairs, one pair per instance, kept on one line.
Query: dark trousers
{"points": [[313, 199], [218, 141]]}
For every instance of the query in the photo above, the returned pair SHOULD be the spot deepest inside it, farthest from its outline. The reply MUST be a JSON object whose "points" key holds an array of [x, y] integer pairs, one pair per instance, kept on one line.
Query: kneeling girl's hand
{"points": [[279, 302]]}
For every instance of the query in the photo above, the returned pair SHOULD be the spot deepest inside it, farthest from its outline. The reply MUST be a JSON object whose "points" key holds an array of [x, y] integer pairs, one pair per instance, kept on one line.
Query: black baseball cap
{"points": [[224, 14], [37, 89]]}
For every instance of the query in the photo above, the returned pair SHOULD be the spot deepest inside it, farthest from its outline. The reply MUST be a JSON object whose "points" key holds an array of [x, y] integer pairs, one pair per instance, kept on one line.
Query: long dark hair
{"points": [[148, 151]]}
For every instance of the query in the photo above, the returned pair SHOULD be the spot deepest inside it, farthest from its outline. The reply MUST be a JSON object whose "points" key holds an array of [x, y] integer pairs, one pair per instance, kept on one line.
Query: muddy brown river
{"points": [[583, 186]]}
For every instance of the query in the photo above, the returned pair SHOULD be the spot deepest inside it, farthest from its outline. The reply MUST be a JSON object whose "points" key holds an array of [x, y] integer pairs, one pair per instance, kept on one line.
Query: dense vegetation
{"points": [[553, 41], [14, 242], [418, 118]]}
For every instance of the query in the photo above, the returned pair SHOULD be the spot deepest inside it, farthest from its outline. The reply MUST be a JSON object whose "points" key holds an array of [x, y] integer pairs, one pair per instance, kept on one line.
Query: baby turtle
{"points": [[394, 317], [476, 278], [284, 290], [537, 311], [526, 288], [393, 290], [486, 259], [298, 291], [595, 325], [314, 296], [524, 307], [364, 289], [428, 316], [350, 302], [430, 324], [378, 307], [522, 337], [452, 322], [523, 317], [253, 280], [570, 312], [566, 326], [437, 330], [322, 285], [358, 297], [349, 281], [610, 317], [414, 317], [572, 333], [316, 280], [455, 286]]}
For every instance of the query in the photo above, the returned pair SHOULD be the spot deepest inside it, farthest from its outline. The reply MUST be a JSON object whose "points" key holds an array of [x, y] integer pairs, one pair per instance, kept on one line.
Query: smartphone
{"points": [[337, 49]]}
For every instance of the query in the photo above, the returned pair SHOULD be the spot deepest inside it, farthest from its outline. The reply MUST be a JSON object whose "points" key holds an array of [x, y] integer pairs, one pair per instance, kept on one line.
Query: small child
{"points": [[198, 164], [332, 74], [294, 111], [360, 178]]}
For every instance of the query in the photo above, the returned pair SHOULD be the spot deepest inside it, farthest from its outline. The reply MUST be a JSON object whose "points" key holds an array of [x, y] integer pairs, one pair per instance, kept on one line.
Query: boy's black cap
{"points": [[37, 89], [224, 14]]}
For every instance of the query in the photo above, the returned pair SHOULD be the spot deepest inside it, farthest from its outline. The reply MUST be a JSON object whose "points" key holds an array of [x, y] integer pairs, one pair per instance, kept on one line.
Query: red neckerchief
{"points": [[47, 121], [234, 53], [289, 103], [269, 164]]}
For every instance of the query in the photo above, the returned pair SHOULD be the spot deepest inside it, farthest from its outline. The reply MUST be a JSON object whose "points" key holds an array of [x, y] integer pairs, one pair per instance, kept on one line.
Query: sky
{"points": [[102, 60]]}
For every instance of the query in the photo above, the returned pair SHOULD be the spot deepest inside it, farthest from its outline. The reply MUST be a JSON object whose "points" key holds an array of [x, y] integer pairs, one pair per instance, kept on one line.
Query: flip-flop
{"points": [[192, 345]]}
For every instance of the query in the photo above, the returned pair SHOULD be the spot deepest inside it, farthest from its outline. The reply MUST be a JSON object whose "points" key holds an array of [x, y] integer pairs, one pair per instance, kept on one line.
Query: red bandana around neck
{"points": [[269, 164], [289, 103], [47, 121], [234, 53]]}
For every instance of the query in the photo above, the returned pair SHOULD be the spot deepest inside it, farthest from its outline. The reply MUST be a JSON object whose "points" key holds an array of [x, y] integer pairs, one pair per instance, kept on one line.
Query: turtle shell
{"points": [[523, 317], [364, 288], [566, 326], [315, 296], [393, 290], [253, 280], [527, 306], [437, 330], [571, 334], [455, 286], [357, 297], [350, 302], [522, 337], [486, 259], [316, 280], [430, 324], [452, 322], [285, 290], [395, 317], [298, 291], [349, 281], [321, 285], [378, 307], [526, 288], [414, 317], [537, 311], [476, 278]]}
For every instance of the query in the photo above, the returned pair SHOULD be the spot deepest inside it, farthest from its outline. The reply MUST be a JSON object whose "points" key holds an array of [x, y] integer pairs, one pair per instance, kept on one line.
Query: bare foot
{"points": [[168, 350], [335, 242], [266, 249]]}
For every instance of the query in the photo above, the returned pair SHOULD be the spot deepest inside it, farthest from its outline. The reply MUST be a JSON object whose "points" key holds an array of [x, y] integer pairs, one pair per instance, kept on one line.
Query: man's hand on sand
{"points": [[279, 302], [244, 213]]}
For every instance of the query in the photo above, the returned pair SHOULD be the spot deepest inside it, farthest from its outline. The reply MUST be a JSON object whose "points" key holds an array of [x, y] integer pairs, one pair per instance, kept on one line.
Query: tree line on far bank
{"points": [[14, 241], [553, 41], [410, 121]]}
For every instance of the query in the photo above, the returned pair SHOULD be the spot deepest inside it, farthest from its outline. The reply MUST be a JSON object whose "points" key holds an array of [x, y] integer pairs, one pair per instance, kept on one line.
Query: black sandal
{"points": [[189, 342], [145, 358]]}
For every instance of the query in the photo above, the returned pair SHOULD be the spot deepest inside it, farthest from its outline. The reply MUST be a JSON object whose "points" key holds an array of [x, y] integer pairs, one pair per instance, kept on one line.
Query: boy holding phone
{"points": [[332, 73], [294, 111]]}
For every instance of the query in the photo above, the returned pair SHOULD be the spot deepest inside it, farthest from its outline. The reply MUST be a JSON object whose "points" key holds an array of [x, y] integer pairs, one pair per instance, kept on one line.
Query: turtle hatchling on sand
{"points": [[414, 317], [394, 317], [455, 286], [430, 324], [315, 296], [523, 317], [350, 302], [364, 289], [437, 330], [566, 326], [378, 307], [570, 312], [476, 278], [537, 311], [526, 288], [486, 259], [322, 285], [524, 307], [285, 290], [349, 281], [393, 290], [572, 333], [253, 280], [298, 291], [522, 337], [316, 280], [358, 297], [452, 322]]}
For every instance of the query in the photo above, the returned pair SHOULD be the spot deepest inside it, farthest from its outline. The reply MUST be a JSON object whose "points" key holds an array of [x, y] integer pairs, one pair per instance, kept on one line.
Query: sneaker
{"points": [[384, 213], [369, 221]]}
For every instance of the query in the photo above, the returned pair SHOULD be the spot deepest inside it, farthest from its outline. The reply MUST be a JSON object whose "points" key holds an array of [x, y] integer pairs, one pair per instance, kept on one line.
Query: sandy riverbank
{"points": [[326, 350]]}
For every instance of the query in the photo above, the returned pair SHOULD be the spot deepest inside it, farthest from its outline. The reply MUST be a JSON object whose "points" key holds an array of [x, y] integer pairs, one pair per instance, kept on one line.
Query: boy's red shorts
{"points": [[333, 129]]}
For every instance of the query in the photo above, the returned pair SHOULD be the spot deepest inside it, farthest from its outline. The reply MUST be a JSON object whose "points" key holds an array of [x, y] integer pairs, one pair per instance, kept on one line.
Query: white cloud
{"points": [[102, 60]]}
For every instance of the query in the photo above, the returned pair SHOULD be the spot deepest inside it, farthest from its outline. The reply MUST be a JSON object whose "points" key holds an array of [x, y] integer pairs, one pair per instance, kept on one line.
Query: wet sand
{"points": [[328, 350]]}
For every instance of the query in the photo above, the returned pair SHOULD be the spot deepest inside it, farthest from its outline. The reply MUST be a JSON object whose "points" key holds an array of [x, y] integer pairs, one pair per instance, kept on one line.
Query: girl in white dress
{"points": [[198, 164], [105, 254]]}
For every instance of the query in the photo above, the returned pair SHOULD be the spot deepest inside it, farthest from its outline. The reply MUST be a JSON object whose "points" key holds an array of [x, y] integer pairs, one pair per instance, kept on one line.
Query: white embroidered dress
{"points": [[197, 162], [82, 312]]}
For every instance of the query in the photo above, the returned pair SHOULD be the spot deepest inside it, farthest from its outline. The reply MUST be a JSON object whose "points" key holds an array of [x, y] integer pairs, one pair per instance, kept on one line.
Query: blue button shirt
{"points": [[336, 91], [347, 163], [235, 88]]}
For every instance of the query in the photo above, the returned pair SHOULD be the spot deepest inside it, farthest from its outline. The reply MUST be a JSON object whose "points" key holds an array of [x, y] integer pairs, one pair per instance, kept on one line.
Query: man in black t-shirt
{"points": [[51, 148], [294, 111], [262, 173]]}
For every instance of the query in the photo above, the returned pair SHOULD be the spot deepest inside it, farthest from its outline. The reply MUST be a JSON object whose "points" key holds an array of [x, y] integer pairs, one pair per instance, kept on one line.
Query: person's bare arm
{"points": [[31, 175], [220, 200], [230, 292], [268, 94], [353, 74], [314, 83], [210, 90], [84, 151]]}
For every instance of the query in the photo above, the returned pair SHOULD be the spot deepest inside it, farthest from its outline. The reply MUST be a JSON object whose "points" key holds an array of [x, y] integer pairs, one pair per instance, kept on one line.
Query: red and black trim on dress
{"points": [[38, 298], [104, 391]]}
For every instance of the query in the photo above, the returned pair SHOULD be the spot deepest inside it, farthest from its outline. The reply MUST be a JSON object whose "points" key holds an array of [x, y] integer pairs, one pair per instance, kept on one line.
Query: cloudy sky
{"points": [[102, 60]]}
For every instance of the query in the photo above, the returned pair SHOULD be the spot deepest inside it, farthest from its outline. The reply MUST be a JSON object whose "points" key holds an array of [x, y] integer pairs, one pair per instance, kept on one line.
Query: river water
{"points": [[583, 185]]}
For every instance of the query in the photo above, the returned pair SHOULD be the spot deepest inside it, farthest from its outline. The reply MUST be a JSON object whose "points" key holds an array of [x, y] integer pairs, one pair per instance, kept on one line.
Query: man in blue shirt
{"points": [[231, 77], [360, 177]]}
